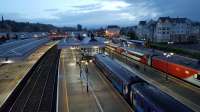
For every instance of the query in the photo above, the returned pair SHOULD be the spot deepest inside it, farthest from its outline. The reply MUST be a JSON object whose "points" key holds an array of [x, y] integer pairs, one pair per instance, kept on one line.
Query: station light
{"points": [[106, 42], [171, 53], [7, 61], [72, 64], [72, 48], [95, 47], [82, 61], [106, 53], [90, 61]]}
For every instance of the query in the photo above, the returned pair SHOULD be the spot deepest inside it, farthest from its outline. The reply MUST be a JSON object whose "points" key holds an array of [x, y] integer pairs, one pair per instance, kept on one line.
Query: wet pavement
{"points": [[73, 95]]}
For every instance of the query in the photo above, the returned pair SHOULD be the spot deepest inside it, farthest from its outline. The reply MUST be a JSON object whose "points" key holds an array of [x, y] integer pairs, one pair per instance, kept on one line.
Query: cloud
{"points": [[51, 10], [108, 12], [114, 5], [104, 5], [103, 12]]}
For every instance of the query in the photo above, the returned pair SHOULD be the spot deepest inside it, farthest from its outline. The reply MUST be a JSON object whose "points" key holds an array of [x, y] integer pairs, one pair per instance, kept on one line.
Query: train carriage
{"points": [[137, 56], [121, 78], [141, 96], [180, 71], [147, 98], [159, 62]]}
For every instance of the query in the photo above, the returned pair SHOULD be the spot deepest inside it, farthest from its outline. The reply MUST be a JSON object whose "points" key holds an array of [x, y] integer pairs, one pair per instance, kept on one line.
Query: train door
{"points": [[149, 60], [125, 89], [133, 99]]}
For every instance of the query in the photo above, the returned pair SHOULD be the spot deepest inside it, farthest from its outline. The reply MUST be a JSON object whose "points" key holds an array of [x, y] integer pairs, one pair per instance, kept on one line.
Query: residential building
{"points": [[146, 30], [151, 28], [163, 29], [142, 30], [195, 31], [167, 29], [181, 30], [172, 29]]}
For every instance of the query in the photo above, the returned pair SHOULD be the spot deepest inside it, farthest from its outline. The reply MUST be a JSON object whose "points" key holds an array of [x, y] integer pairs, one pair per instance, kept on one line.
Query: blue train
{"points": [[114, 73], [141, 96]]}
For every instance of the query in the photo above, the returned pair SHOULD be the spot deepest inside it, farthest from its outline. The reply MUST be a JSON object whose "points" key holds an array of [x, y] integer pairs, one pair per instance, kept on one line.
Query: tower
{"points": [[2, 19]]}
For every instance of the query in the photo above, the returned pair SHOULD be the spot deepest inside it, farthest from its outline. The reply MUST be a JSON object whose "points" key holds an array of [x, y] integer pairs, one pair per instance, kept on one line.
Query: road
{"points": [[73, 96]]}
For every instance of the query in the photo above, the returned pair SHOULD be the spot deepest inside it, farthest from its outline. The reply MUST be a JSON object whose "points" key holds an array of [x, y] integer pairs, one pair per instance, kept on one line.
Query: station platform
{"points": [[12, 73], [182, 91], [72, 88]]}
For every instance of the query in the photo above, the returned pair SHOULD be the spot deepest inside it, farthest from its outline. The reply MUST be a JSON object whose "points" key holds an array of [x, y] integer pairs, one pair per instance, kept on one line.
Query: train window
{"points": [[142, 103], [197, 76]]}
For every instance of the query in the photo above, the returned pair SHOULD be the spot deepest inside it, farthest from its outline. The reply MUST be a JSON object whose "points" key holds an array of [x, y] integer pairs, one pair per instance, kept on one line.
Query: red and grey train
{"points": [[183, 72]]}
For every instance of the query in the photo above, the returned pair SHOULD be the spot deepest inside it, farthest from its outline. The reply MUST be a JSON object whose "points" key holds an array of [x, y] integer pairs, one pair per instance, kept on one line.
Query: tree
{"points": [[132, 35]]}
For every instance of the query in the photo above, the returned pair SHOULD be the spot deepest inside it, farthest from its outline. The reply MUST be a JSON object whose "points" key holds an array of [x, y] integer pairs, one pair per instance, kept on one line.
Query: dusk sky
{"points": [[91, 13]]}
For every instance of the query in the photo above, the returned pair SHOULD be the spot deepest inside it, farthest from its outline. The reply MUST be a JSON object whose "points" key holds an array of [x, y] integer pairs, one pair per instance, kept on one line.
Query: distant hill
{"points": [[13, 26]]}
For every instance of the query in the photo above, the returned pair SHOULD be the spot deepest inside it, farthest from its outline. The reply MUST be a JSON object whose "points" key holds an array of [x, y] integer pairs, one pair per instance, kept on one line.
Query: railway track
{"points": [[38, 92]]}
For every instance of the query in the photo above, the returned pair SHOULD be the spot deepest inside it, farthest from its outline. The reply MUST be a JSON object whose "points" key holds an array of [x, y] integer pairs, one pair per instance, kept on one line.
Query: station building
{"points": [[87, 46]]}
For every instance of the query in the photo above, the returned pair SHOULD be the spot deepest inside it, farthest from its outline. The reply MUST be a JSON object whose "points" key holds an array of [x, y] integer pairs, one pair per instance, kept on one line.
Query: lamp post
{"points": [[167, 55], [85, 62], [86, 71], [126, 57]]}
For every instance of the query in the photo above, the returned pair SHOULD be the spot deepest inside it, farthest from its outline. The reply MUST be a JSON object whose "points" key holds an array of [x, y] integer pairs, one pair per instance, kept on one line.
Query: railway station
{"points": [[99, 56], [94, 75]]}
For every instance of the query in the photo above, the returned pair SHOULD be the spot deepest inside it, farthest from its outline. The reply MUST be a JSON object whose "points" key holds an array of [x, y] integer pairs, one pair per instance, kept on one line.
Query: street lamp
{"points": [[167, 55], [85, 62], [86, 71]]}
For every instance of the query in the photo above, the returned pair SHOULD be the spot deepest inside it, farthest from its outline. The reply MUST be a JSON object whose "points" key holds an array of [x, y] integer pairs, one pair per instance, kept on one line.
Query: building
{"points": [[181, 30], [172, 29], [79, 27], [146, 30], [89, 46], [167, 29], [163, 29], [151, 28], [2, 19], [195, 32], [142, 30], [112, 31]]}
